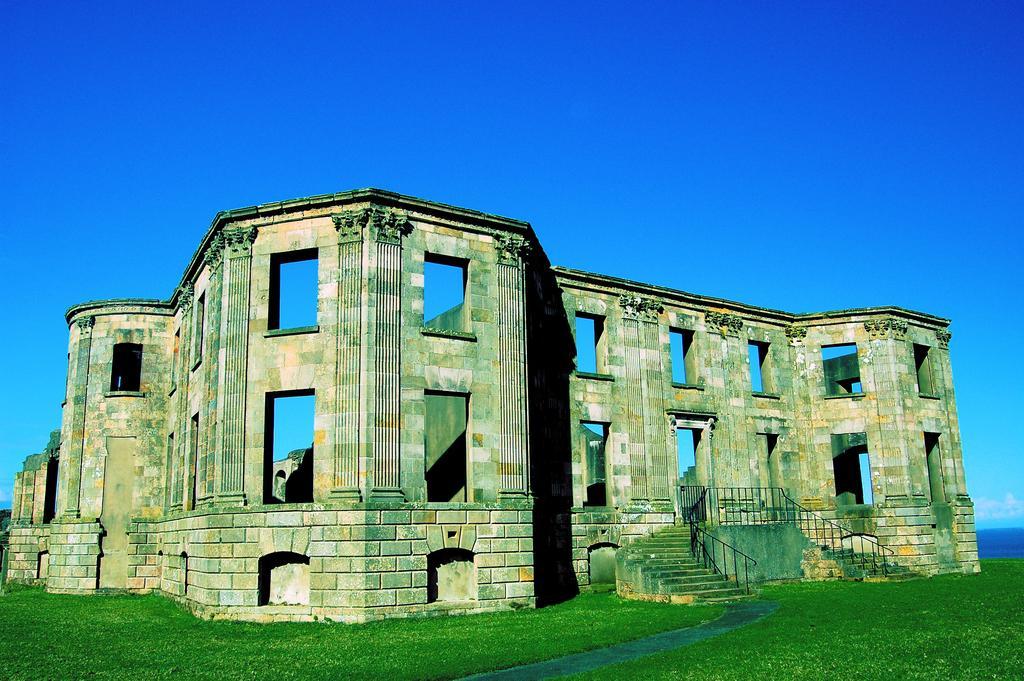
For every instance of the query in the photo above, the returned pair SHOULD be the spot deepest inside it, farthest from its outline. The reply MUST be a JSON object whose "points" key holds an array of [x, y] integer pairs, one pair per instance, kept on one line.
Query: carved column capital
{"points": [[215, 251], [389, 226], [350, 224], [638, 307], [85, 324], [238, 241], [887, 327], [943, 336], [796, 333], [513, 249], [726, 324], [186, 293]]}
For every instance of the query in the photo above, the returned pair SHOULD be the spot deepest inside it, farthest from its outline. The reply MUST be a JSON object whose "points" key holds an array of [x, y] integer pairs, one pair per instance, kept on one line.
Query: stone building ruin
{"points": [[516, 446]]}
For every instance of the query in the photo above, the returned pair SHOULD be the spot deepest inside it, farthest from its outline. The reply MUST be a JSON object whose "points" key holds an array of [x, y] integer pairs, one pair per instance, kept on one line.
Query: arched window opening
{"points": [[602, 563], [43, 565], [451, 576], [284, 579], [184, 574]]}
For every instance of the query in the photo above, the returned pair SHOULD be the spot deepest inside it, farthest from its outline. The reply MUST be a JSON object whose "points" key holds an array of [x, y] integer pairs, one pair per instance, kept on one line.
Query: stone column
{"points": [[388, 229], [16, 502], [730, 460], [351, 227], [950, 444], [38, 479], [648, 455], [76, 438], [212, 378], [515, 450], [231, 457], [888, 348], [178, 458]]}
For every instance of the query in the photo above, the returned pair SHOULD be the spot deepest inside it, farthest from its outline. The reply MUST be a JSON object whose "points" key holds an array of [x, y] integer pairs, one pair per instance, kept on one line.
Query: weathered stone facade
{"points": [[166, 485]]}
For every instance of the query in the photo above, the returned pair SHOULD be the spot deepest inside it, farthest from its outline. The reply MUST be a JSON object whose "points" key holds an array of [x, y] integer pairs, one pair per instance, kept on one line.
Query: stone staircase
{"points": [[661, 568]]}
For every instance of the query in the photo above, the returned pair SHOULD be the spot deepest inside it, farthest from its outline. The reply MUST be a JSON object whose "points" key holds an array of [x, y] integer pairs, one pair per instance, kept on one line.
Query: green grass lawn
{"points": [[949, 627], [946, 627], [148, 637]]}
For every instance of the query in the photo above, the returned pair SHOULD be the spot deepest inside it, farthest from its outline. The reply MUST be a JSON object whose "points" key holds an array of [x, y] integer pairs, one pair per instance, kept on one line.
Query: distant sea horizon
{"points": [[1001, 542]]}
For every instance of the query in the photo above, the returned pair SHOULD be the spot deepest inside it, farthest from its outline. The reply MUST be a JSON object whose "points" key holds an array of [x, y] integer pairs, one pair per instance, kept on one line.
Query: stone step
{"points": [[668, 576], [663, 544], [667, 550], [656, 565], [705, 592], [708, 583]]}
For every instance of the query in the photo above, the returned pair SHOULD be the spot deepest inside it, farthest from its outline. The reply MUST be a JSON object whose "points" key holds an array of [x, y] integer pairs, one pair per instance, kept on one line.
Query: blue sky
{"points": [[802, 156]]}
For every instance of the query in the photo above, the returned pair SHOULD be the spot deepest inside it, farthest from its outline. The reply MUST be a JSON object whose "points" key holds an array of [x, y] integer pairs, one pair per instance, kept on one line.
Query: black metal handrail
{"points": [[770, 505], [709, 557]]}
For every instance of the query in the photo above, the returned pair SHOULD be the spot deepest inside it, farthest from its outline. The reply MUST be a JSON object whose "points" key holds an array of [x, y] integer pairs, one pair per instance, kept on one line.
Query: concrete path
{"points": [[736, 615]]}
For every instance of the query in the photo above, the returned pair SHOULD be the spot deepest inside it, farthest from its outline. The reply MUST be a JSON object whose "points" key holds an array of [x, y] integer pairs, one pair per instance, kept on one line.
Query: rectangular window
{"points": [[842, 371], [126, 367], [294, 289], [193, 472], [595, 463], [446, 463], [169, 466], [687, 442], [175, 352], [851, 467], [769, 443], [933, 460], [288, 447], [198, 330], [590, 344], [50, 491], [444, 293], [684, 370], [923, 365], [761, 379]]}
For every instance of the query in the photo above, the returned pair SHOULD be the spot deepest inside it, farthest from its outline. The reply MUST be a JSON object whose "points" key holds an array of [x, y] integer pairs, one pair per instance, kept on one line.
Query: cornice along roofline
{"points": [[616, 285], [380, 197], [120, 306], [487, 222]]}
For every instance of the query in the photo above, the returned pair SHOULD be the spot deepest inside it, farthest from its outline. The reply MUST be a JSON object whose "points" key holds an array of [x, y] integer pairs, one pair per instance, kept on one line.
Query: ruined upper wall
{"points": [[298, 209], [601, 283]]}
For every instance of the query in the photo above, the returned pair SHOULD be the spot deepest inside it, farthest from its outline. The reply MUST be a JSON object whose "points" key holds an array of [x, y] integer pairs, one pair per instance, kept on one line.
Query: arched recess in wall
{"points": [[601, 558], [861, 543], [184, 573], [43, 565], [284, 579], [451, 576]]}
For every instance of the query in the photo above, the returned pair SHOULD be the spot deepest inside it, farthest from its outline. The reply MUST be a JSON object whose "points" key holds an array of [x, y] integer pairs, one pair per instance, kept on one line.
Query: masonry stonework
{"points": [[167, 486]]}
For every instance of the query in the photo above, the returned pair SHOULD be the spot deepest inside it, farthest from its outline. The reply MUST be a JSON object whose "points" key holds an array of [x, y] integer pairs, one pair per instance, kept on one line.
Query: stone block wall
{"points": [[74, 557], [25, 545], [363, 564]]}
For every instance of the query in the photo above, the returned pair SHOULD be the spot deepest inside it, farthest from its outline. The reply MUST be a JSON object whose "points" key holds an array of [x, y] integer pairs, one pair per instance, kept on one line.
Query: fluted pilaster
{"points": [[237, 268], [515, 456], [388, 229], [351, 227], [178, 468], [76, 439]]}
